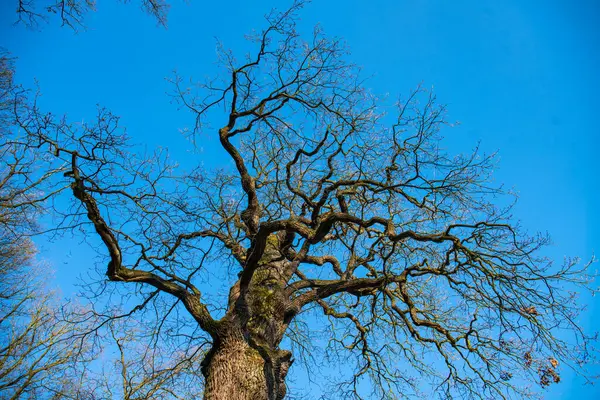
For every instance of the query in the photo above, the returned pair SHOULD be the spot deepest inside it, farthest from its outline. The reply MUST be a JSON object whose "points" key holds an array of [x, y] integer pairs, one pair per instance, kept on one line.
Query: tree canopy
{"points": [[333, 209]]}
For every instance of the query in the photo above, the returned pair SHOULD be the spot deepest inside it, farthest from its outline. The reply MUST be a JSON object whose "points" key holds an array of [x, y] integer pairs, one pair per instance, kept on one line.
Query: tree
{"points": [[137, 371], [40, 352], [72, 12], [48, 349], [330, 209]]}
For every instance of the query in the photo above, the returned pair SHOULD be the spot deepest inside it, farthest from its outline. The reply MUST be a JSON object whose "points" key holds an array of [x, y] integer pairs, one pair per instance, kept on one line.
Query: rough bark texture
{"points": [[242, 366], [235, 371]]}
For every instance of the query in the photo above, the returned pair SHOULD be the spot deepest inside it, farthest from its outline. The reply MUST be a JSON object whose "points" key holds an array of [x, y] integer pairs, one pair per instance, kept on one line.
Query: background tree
{"points": [[330, 209], [71, 13], [53, 350], [134, 371], [41, 354]]}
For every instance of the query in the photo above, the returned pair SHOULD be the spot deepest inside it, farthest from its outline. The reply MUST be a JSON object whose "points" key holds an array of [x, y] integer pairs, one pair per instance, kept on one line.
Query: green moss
{"points": [[253, 354], [273, 240], [271, 248], [265, 290], [263, 300]]}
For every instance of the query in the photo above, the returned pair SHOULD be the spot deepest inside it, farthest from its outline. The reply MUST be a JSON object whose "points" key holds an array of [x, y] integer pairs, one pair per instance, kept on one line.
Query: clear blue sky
{"points": [[521, 76]]}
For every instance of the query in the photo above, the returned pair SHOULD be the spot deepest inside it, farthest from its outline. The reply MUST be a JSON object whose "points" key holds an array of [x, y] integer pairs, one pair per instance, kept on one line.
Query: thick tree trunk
{"points": [[235, 371]]}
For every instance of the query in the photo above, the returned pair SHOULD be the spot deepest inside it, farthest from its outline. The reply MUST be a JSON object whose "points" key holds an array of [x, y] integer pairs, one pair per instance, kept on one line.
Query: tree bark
{"points": [[235, 370]]}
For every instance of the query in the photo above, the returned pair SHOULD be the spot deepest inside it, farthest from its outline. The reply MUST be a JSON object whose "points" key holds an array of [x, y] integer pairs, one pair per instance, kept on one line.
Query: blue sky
{"points": [[520, 76]]}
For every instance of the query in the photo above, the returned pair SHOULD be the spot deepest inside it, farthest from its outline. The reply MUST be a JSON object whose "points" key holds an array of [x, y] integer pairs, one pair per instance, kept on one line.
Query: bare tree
{"points": [[40, 351], [334, 209], [72, 13], [137, 371], [48, 349]]}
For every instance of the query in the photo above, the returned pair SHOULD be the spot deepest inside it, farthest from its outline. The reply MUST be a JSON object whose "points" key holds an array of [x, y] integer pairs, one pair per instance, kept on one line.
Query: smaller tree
{"points": [[71, 13], [40, 351], [139, 368], [54, 351]]}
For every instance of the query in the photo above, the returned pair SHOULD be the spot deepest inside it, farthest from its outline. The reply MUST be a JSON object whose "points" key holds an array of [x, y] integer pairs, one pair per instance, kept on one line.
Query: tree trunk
{"points": [[235, 371]]}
